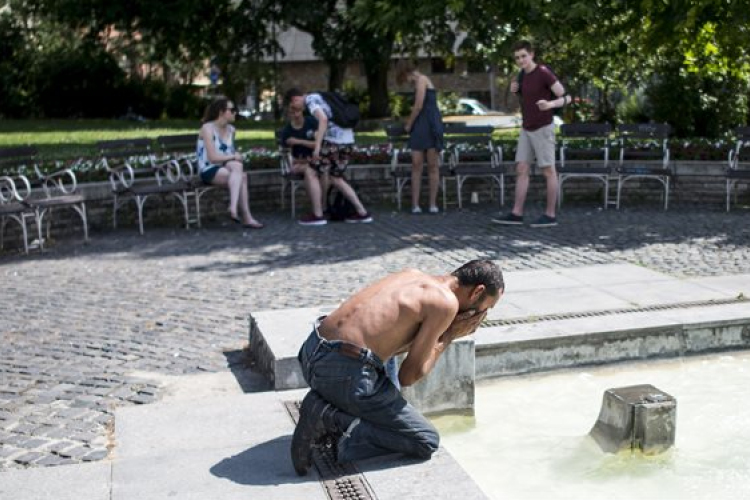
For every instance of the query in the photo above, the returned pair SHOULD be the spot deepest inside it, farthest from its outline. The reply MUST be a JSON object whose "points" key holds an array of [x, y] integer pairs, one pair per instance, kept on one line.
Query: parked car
{"points": [[476, 114]]}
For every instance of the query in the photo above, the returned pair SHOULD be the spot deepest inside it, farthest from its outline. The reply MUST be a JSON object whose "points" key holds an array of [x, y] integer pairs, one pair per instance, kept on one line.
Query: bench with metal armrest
{"points": [[29, 193], [644, 153], [738, 164], [136, 174], [584, 153]]}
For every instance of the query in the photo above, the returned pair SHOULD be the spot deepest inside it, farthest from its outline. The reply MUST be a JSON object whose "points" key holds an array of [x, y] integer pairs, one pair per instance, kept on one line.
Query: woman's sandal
{"points": [[252, 225]]}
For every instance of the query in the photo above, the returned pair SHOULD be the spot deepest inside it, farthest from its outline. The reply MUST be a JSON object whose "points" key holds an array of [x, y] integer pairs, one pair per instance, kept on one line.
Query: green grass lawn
{"points": [[61, 139]]}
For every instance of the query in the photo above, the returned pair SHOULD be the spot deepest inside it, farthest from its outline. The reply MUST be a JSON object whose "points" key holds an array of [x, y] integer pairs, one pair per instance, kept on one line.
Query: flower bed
{"points": [[260, 158]]}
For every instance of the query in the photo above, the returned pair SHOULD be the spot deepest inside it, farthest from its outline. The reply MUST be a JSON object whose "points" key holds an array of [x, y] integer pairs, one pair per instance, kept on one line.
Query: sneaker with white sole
{"points": [[545, 221], [416, 210], [509, 220], [362, 219], [434, 210], [312, 220]]}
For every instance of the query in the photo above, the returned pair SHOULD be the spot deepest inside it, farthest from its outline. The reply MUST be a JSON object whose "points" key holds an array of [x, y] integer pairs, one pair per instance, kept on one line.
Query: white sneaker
{"points": [[434, 210], [416, 210]]}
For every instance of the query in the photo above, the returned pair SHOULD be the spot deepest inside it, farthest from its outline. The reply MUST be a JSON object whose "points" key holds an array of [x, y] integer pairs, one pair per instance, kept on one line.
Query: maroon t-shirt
{"points": [[535, 86]]}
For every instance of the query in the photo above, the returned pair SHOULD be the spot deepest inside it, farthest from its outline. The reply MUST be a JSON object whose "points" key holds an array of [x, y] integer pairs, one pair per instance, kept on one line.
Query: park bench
{"points": [[28, 194], [136, 175], [181, 149], [584, 153], [644, 153], [472, 154], [401, 165], [288, 178], [738, 169]]}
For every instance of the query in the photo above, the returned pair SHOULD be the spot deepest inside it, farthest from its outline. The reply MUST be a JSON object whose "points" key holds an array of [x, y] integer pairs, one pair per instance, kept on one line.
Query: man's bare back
{"points": [[407, 311]]}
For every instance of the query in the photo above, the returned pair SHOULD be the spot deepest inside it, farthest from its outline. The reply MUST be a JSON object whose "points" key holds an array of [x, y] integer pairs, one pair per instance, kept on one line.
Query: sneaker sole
{"points": [[359, 221], [318, 223], [508, 222], [553, 224]]}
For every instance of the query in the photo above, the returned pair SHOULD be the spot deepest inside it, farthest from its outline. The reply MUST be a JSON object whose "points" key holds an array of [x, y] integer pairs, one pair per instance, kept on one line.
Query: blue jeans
{"points": [[384, 422]]}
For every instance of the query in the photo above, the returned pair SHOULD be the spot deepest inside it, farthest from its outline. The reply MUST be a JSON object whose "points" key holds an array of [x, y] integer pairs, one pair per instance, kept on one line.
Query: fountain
{"points": [[529, 436]]}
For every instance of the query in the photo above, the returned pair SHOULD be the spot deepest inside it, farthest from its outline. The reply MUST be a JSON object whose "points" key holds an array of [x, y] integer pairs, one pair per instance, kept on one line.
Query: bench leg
{"points": [[140, 201], [115, 207], [84, 219]]}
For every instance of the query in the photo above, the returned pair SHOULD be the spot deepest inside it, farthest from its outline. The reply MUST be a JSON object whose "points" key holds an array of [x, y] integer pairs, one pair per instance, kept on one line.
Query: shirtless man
{"points": [[351, 397]]}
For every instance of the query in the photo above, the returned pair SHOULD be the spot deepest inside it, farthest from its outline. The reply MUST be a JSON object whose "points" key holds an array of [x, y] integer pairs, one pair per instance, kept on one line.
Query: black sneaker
{"points": [[361, 219], [545, 221], [310, 429], [509, 220], [312, 220]]}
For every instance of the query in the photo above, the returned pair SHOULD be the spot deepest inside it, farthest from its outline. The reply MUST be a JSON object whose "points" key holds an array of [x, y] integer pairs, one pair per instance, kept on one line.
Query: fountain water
{"points": [[528, 438]]}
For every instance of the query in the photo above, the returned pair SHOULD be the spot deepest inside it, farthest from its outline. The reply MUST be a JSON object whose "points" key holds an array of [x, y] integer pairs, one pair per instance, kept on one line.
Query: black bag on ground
{"points": [[345, 113], [338, 207]]}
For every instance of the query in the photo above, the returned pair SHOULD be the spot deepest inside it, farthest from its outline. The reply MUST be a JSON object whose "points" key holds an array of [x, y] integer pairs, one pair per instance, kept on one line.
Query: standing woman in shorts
{"points": [[425, 128], [219, 164]]}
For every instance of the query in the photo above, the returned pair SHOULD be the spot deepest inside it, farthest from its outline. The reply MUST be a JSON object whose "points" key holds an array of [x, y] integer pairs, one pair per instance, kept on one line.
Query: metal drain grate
{"points": [[340, 481], [607, 312]]}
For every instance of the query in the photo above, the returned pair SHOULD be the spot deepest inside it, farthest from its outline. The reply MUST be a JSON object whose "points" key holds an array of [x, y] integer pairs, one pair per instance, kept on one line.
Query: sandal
{"points": [[254, 225]]}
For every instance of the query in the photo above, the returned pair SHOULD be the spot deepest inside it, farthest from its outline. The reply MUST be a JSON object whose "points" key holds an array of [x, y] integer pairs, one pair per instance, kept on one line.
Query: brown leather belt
{"points": [[349, 350]]}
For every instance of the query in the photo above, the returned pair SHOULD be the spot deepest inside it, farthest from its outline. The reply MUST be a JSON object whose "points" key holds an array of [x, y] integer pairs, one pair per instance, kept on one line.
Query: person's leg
{"points": [[552, 186], [234, 183], [221, 179], [371, 412], [433, 166], [543, 141], [348, 193], [367, 410], [417, 163], [247, 217], [312, 185], [524, 158], [522, 187]]}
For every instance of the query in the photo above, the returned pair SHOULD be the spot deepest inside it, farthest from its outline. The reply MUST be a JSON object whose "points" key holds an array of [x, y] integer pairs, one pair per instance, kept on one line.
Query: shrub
{"points": [[183, 103], [697, 105], [77, 82]]}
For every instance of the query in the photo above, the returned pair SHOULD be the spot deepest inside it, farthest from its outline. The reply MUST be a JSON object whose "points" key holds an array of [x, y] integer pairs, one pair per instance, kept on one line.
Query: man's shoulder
{"points": [[547, 72]]}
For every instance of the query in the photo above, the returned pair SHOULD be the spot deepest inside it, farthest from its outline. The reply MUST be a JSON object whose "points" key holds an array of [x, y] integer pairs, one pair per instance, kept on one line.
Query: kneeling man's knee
{"points": [[428, 441]]}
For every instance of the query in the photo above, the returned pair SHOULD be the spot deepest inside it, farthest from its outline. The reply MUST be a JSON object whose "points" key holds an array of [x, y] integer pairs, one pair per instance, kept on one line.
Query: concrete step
{"points": [[551, 319]]}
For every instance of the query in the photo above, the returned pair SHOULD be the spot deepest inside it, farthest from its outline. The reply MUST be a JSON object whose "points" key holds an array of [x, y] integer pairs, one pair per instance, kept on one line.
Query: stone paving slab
{"points": [[74, 482], [237, 447], [79, 320]]}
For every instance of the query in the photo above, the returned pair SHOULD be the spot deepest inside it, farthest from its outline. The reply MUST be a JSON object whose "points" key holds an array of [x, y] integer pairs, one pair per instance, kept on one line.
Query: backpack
{"points": [[519, 79], [345, 114], [338, 207]]}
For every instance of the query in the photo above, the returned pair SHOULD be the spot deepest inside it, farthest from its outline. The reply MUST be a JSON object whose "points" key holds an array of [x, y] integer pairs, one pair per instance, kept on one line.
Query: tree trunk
{"points": [[377, 88], [336, 72]]}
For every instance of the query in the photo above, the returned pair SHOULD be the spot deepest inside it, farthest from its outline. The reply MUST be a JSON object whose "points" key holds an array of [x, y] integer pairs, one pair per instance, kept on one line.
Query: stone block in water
{"points": [[638, 417]]}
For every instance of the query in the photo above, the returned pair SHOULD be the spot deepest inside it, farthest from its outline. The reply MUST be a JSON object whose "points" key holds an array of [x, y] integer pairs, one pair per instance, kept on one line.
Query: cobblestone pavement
{"points": [[83, 326]]}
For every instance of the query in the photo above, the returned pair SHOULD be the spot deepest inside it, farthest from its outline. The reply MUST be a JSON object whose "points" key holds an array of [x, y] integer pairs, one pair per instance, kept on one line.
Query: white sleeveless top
{"points": [[226, 148]]}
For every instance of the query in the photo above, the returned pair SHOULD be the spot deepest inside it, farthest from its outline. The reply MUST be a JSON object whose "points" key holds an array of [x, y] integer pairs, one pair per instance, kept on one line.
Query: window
{"points": [[441, 65]]}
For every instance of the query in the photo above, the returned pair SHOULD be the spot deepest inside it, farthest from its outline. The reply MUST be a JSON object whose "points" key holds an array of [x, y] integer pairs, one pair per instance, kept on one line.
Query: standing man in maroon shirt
{"points": [[537, 139]]}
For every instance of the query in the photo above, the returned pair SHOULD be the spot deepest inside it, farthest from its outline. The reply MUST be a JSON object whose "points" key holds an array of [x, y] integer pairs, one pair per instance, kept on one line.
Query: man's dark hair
{"points": [[289, 94], [481, 272], [523, 45]]}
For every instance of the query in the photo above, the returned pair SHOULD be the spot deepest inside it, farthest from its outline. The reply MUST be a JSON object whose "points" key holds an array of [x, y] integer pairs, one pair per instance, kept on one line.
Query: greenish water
{"points": [[529, 437]]}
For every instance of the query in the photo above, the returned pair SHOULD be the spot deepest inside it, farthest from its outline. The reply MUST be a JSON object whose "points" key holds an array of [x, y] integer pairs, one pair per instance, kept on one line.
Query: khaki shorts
{"points": [[538, 145]]}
